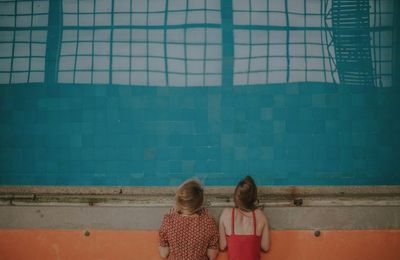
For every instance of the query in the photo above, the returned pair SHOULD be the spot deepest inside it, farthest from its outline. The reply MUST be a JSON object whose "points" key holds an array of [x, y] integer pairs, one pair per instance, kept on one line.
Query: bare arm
{"points": [[212, 254], [164, 251], [265, 236], [222, 231]]}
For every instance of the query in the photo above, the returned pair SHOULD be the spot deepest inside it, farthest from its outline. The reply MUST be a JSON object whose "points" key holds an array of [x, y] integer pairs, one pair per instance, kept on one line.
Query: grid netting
{"points": [[181, 42], [23, 39], [85, 56], [23, 13], [283, 41], [382, 42]]}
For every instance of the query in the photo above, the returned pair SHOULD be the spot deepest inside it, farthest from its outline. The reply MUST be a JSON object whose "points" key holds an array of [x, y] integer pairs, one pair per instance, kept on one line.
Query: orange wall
{"points": [[142, 245]]}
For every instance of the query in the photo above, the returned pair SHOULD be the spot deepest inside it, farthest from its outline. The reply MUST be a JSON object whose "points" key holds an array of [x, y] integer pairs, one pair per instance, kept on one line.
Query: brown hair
{"points": [[189, 196], [245, 196]]}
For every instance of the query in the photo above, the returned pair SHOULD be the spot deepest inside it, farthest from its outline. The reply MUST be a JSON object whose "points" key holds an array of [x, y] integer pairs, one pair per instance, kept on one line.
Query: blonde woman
{"points": [[188, 232]]}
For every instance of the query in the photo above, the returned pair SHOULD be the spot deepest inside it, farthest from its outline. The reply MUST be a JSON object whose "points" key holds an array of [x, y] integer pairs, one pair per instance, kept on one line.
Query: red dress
{"points": [[188, 237], [244, 247]]}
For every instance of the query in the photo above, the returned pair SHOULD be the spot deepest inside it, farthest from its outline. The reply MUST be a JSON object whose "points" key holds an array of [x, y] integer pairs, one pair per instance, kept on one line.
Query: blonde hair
{"points": [[189, 196], [245, 196]]}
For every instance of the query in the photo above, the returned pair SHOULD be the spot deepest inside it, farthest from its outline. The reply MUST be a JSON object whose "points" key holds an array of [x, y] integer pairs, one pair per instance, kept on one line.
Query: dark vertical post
{"points": [[53, 41], [227, 43]]}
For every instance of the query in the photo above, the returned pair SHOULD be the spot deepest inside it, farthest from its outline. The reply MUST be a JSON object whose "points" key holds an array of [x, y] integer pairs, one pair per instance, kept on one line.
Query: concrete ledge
{"points": [[215, 196], [142, 208], [149, 218], [212, 190], [210, 200]]}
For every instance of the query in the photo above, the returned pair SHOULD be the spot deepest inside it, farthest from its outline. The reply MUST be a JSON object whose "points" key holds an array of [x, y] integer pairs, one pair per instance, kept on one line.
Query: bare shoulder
{"points": [[225, 214], [226, 211], [261, 216]]}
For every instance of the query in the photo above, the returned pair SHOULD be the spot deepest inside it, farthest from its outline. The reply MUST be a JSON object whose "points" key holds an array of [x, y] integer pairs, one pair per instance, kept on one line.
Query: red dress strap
{"points": [[254, 223], [233, 222], [244, 246]]}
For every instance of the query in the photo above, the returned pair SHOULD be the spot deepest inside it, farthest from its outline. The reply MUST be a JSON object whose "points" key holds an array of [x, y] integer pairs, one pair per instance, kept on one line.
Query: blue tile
{"points": [[283, 135]]}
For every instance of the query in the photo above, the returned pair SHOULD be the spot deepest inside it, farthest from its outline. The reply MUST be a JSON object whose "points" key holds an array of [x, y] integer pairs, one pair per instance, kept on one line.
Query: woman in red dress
{"points": [[188, 232], [244, 229]]}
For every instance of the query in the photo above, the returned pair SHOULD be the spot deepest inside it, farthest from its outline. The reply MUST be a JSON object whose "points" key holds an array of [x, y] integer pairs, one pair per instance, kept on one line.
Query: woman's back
{"points": [[244, 229], [188, 232], [188, 237], [244, 233], [243, 222]]}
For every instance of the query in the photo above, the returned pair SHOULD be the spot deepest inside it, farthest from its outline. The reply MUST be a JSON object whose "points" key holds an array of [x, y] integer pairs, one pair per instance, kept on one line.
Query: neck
{"points": [[244, 210]]}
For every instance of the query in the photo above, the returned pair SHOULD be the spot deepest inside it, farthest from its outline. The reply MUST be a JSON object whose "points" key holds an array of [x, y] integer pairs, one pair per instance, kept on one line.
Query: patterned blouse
{"points": [[188, 237]]}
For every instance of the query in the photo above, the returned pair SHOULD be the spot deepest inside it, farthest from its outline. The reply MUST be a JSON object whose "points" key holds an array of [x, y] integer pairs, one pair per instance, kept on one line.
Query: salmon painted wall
{"points": [[108, 244]]}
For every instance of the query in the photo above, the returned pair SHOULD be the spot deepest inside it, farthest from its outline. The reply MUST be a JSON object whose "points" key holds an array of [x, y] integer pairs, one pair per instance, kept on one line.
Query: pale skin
{"points": [[243, 226], [211, 253]]}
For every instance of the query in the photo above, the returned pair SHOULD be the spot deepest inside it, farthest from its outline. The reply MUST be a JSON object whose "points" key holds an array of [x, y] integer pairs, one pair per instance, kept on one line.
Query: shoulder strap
{"points": [[233, 222], [254, 223]]}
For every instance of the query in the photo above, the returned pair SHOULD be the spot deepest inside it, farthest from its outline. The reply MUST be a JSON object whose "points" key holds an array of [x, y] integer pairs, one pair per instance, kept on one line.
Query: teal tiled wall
{"points": [[282, 135], [343, 129]]}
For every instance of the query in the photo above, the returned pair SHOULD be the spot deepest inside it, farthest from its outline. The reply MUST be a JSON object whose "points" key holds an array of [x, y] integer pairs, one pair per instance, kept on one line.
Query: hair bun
{"points": [[246, 194], [249, 181]]}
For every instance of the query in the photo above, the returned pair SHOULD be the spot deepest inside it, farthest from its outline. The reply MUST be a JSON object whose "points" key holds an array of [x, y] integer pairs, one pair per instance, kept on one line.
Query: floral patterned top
{"points": [[188, 237]]}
